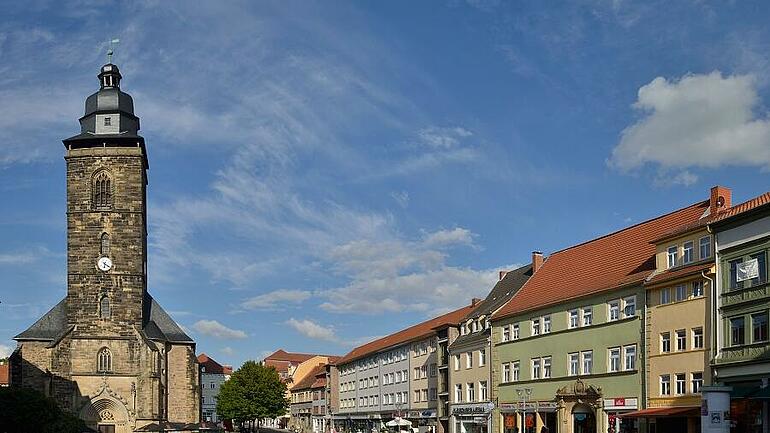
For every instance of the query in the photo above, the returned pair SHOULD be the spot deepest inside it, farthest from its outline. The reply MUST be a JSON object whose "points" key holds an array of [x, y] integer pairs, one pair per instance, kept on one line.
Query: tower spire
{"points": [[111, 50]]}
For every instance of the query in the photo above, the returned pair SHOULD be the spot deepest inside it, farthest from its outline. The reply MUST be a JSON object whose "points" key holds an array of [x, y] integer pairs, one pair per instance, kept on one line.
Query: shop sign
{"points": [[620, 403], [530, 406], [472, 409], [423, 414]]}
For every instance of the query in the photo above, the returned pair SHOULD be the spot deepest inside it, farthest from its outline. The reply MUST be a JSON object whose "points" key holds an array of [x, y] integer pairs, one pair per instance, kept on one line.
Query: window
{"points": [[697, 338], [705, 247], [671, 256], [416, 395], [107, 121], [665, 342], [681, 292], [423, 372], [483, 396], [687, 252], [614, 310], [681, 384], [104, 364], [104, 241], [665, 296], [416, 373], [697, 289], [433, 394], [433, 370], [536, 368], [506, 333], [213, 385], [573, 319], [696, 382], [734, 283], [761, 268], [468, 359], [587, 316], [588, 361], [546, 324], [547, 367], [681, 340], [102, 191], [104, 307], [471, 388], [665, 384], [536, 326], [759, 327], [458, 392], [630, 357], [737, 331], [506, 373], [482, 357], [574, 364], [630, 306], [424, 394], [457, 362], [614, 359], [515, 332], [515, 371]]}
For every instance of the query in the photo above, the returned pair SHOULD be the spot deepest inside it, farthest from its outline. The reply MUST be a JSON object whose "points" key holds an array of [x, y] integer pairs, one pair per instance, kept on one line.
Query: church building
{"points": [[108, 352]]}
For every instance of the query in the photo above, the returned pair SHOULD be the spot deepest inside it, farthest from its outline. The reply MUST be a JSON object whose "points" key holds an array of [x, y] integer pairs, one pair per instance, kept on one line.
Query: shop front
{"points": [[531, 417], [472, 418], [424, 421], [616, 408]]}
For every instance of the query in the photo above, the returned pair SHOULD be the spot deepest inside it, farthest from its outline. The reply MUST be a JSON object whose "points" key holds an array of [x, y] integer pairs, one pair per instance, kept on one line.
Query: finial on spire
{"points": [[111, 50]]}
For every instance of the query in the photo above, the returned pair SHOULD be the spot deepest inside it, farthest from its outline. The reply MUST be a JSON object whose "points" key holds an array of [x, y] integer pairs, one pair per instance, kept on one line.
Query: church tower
{"points": [[106, 213], [108, 352]]}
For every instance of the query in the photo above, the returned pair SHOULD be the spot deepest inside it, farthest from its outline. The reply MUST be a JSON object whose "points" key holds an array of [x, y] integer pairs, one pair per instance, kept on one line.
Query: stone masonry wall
{"points": [[183, 384]]}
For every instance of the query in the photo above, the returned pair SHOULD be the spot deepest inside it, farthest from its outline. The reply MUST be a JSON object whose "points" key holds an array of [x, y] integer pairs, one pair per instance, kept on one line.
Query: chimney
{"points": [[502, 275], [720, 199], [475, 301], [537, 260]]}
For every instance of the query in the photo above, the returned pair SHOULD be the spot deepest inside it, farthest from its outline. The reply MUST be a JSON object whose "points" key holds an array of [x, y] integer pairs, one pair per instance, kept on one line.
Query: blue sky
{"points": [[322, 173]]}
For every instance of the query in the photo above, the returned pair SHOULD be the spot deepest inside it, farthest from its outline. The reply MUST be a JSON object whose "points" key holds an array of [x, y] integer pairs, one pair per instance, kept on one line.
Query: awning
{"points": [[661, 412]]}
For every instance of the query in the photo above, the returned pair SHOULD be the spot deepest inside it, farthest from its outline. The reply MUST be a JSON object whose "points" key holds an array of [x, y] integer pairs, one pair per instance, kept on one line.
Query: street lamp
{"points": [[524, 394]]}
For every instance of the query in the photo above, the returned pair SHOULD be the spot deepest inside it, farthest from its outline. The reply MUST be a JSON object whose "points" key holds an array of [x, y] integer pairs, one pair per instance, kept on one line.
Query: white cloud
{"points": [[683, 178], [401, 197], [227, 350], [5, 351], [696, 121], [443, 137], [212, 328], [456, 236], [276, 298], [313, 330]]}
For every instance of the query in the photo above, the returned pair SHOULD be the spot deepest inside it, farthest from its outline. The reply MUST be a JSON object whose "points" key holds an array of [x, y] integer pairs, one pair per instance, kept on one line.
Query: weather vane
{"points": [[111, 51]]}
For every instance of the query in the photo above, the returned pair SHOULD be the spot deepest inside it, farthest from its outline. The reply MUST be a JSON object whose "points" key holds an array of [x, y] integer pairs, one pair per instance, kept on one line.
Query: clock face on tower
{"points": [[104, 264]]}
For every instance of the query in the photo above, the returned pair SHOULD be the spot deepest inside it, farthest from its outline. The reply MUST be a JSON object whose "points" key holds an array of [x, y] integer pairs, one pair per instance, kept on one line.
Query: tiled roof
{"points": [[605, 263], [748, 205], [4, 369], [310, 378], [295, 358], [679, 272], [211, 366], [412, 333]]}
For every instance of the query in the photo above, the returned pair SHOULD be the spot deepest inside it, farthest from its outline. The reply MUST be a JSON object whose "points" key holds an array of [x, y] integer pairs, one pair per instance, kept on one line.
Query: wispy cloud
{"points": [[313, 330], [213, 328], [276, 298]]}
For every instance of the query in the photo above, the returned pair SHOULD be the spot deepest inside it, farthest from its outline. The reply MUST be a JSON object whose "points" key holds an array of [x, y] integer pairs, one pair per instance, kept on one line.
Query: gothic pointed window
{"points": [[102, 191], [105, 245], [104, 307], [104, 361]]}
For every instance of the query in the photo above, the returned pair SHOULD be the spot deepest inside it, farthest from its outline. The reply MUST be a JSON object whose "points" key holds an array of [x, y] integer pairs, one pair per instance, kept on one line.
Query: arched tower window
{"points": [[102, 191], [105, 361], [105, 245], [104, 307]]}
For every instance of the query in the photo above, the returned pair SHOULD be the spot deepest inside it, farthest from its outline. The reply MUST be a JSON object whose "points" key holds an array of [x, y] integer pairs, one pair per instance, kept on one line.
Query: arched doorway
{"points": [[583, 419], [106, 415]]}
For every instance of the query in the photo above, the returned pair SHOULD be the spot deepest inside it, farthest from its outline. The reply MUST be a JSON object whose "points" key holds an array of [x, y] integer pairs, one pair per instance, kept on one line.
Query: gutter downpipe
{"points": [[714, 348]]}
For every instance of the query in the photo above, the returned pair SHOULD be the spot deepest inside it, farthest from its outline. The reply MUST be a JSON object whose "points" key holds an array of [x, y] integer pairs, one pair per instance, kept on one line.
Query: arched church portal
{"points": [[106, 415]]}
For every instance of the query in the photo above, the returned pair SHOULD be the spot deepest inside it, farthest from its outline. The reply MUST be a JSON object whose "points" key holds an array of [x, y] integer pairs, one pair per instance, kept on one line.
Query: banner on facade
{"points": [[747, 270]]}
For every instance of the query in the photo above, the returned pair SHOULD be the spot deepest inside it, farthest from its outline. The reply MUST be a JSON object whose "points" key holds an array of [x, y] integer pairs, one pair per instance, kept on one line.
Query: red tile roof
{"points": [[409, 334], [4, 374], [210, 365], [672, 274], [309, 380], [294, 358], [611, 261], [743, 207]]}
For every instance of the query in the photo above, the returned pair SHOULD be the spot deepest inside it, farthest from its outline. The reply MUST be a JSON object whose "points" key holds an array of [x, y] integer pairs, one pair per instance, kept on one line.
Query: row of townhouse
{"points": [[659, 327]]}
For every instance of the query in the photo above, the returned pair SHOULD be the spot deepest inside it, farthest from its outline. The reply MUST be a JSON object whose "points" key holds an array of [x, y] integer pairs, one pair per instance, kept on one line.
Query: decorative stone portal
{"points": [[579, 408], [106, 415]]}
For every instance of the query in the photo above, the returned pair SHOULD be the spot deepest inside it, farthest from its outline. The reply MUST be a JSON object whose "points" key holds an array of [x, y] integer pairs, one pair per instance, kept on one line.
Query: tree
{"points": [[253, 392], [24, 410]]}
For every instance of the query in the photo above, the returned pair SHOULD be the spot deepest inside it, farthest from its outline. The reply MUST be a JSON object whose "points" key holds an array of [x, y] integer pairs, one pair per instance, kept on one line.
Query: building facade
{"points": [[567, 349], [108, 352], [213, 375], [742, 358], [469, 372]]}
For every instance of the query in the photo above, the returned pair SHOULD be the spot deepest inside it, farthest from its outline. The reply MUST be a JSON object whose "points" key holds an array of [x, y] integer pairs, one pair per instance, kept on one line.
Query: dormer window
{"points": [[107, 121]]}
